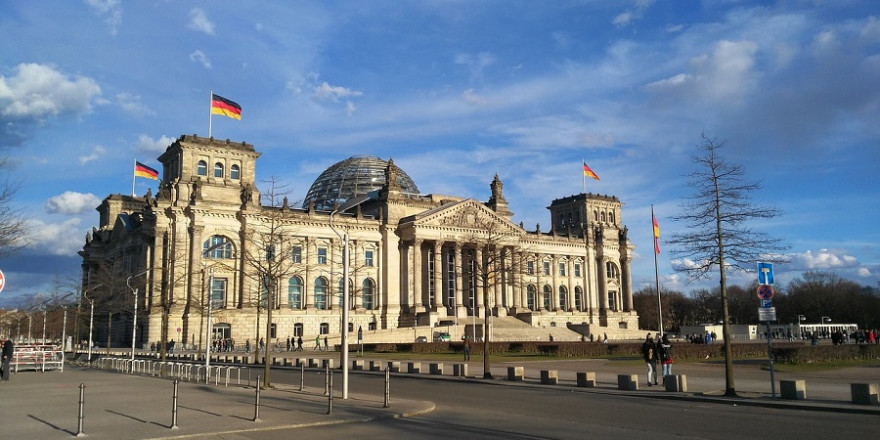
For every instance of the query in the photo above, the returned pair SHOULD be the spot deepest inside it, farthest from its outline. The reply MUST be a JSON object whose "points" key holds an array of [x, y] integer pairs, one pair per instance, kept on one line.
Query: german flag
{"points": [[589, 173], [141, 170], [225, 107]]}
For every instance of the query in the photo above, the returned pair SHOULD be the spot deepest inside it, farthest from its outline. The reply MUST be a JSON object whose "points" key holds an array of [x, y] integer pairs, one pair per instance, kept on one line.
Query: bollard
{"points": [[79, 423], [326, 379], [174, 405], [329, 392], [257, 401], [302, 375], [387, 388]]}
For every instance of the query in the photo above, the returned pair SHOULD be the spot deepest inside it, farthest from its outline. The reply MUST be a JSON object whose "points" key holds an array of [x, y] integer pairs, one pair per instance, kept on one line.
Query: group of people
{"points": [[654, 352]]}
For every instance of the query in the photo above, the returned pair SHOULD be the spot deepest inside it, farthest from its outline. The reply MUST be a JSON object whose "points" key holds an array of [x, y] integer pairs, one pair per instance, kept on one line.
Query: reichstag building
{"points": [[210, 247]]}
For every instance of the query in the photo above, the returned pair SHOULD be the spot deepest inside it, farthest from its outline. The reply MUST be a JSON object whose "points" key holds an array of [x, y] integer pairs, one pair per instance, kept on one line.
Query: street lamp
{"points": [[134, 291], [64, 325], [91, 316], [351, 203]]}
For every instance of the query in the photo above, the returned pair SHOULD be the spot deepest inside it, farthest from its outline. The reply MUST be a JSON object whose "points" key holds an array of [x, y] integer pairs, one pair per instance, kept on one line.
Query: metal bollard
{"points": [[257, 401], [302, 375], [326, 379], [79, 422], [329, 392], [174, 405], [387, 388]]}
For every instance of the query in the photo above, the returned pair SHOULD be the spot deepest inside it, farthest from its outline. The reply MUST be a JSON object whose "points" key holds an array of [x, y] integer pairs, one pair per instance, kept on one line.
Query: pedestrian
{"points": [[299, 343], [326, 347], [288, 343], [467, 348], [318, 342], [665, 352], [6, 354], [247, 346], [649, 353], [262, 346], [171, 347]]}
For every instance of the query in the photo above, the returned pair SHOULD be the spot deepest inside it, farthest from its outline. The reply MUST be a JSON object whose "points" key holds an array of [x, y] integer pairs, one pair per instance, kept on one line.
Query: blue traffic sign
{"points": [[765, 273], [766, 303]]}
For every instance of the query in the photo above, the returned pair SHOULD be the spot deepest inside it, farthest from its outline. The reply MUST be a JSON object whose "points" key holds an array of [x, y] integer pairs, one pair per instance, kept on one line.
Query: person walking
{"points": [[318, 342], [299, 343], [649, 353], [665, 352], [467, 348], [6, 354], [326, 346]]}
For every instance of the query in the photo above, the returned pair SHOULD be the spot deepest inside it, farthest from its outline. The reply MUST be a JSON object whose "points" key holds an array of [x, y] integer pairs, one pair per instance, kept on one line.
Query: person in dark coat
{"points": [[664, 350], [649, 353], [5, 358]]}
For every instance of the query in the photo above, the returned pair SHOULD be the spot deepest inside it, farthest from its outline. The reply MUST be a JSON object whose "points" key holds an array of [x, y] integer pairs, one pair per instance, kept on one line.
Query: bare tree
{"points": [[268, 257], [13, 221], [717, 235], [495, 259]]}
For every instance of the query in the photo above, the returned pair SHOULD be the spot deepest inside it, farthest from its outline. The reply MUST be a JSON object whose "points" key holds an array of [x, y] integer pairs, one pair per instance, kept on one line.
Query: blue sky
{"points": [[454, 92]]}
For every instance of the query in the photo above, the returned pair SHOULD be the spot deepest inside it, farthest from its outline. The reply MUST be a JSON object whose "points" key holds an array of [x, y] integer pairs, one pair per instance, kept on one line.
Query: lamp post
{"points": [[91, 316], [134, 291], [64, 325], [351, 203]]}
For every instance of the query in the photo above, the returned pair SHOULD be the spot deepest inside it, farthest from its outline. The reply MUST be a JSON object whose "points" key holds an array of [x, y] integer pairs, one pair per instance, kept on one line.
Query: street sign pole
{"points": [[767, 313]]}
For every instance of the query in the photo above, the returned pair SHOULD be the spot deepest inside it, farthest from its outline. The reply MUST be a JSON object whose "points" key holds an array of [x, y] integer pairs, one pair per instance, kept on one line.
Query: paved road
{"points": [[44, 405]]}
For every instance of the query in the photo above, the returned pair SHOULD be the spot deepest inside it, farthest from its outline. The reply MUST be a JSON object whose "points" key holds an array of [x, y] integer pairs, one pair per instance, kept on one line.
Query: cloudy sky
{"points": [[454, 92]]}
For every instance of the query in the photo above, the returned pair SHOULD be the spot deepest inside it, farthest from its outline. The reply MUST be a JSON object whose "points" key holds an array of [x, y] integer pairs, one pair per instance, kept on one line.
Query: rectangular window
{"points": [[322, 255], [547, 268], [530, 268], [368, 258], [577, 269], [218, 293], [562, 269], [297, 254]]}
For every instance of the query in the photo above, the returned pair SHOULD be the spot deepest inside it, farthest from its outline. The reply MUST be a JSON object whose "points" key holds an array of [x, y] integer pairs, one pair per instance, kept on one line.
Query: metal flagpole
{"points": [[134, 166], [656, 272], [210, 115]]}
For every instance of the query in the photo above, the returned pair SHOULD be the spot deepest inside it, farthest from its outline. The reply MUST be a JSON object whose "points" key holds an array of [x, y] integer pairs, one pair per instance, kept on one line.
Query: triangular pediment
{"points": [[468, 214]]}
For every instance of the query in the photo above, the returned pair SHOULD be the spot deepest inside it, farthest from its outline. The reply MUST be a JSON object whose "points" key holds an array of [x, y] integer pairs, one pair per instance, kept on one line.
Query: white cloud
{"points": [[824, 259], [198, 21], [864, 272], [37, 91], [111, 10], [476, 63], [638, 11], [200, 57], [147, 144], [72, 203], [55, 238], [132, 104], [96, 153], [326, 92], [350, 108]]}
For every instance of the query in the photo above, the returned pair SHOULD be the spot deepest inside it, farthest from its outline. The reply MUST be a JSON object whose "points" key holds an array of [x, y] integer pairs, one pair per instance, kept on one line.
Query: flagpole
{"points": [[133, 176], [210, 118], [656, 273], [584, 162]]}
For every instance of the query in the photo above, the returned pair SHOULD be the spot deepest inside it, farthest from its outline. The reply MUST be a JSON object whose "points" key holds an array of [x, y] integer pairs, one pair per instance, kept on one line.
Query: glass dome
{"points": [[352, 177]]}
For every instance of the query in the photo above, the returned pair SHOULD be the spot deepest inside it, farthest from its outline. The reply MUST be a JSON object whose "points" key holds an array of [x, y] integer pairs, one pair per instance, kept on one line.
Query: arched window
{"points": [[234, 172], [548, 292], [578, 299], [367, 294], [530, 297], [202, 168], [611, 217], [218, 170], [563, 298], [603, 216], [221, 251], [596, 215], [294, 293], [612, 271], [321, 293]]}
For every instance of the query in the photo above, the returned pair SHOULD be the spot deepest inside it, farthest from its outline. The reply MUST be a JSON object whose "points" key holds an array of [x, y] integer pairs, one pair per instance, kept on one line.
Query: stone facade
{"points": [[414, 260]]}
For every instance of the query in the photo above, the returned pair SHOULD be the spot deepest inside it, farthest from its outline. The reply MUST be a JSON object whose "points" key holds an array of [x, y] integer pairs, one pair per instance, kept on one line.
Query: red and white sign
{"points": [[2, 280]]}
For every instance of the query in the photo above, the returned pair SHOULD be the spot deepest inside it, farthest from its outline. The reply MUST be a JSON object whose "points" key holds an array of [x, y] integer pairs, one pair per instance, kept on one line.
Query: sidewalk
{"points": [[45, 406]]}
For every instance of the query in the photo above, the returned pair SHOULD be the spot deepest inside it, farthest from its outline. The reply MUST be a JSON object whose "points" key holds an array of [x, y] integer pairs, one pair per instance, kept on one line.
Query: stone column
{"points": [[603, 285], [438, 275], [457, 265], [333, 283], [417, 276], [626, 285]]}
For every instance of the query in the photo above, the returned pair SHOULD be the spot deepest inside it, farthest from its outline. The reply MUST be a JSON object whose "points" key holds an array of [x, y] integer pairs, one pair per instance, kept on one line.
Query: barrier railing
{"points": [[37, 360]]}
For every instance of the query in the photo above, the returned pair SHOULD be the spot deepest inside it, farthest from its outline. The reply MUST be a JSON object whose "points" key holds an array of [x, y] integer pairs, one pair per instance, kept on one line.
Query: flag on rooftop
{"points": [[588, 172], [225, 107], [141, 170]]}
